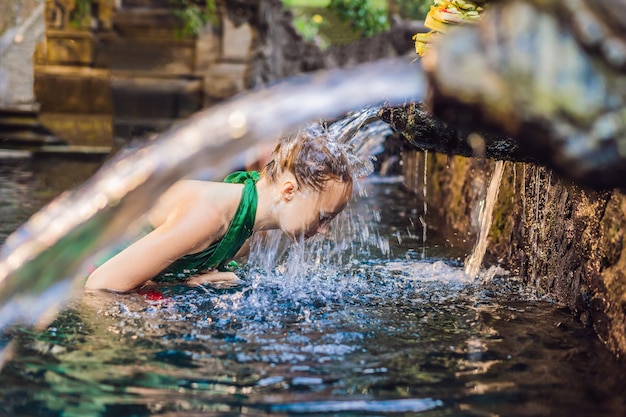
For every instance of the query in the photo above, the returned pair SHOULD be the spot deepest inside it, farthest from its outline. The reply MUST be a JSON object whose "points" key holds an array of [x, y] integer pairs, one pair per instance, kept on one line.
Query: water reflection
{"points": [[28, 182]]}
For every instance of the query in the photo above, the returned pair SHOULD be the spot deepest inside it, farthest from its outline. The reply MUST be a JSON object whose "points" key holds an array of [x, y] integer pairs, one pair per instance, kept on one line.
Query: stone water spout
{"points": [[546, 81], [40, 262]]}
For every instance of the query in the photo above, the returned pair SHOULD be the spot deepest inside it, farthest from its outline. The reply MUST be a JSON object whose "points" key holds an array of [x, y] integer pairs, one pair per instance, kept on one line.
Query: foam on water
{"points": [[308, 282]]}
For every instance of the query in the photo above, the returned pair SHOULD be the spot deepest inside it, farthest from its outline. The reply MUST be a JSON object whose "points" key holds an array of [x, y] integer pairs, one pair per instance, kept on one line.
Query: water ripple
{"points": [[413, 405]]}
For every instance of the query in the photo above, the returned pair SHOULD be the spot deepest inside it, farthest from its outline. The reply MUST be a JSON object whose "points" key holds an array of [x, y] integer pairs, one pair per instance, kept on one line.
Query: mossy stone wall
{"points": [[565, 241]]}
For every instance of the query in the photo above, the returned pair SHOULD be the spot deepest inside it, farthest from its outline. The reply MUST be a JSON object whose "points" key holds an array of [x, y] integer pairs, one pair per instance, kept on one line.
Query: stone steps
{"points": [[154, 79], [131, 72], [141, 23], [20, 129]]}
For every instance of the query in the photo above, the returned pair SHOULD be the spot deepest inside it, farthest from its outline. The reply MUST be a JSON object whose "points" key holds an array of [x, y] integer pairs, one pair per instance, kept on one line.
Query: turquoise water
{"points": [[371, 322]]}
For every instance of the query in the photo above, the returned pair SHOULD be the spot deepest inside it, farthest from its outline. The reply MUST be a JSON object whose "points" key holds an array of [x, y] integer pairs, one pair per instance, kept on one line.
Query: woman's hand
{"points": [[216, 278]]}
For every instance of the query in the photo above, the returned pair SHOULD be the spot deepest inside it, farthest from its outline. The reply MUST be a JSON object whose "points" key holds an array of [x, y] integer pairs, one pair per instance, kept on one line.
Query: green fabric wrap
{"points": [[217, 255]]}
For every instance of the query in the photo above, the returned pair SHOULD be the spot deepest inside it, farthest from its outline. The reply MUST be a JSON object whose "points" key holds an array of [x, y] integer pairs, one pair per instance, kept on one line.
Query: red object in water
{"points": [[153, 295]]}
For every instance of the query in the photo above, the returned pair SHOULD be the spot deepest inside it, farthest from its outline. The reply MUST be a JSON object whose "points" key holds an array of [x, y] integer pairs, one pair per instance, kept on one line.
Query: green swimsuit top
{"points": [[217, 255]]}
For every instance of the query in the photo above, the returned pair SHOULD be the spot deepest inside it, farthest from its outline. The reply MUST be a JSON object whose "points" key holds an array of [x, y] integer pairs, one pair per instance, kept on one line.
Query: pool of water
{"points": [[373, 321], [27, 183]]}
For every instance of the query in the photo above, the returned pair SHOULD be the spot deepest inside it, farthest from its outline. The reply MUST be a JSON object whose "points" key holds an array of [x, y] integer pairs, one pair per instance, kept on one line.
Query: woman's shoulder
{"points": [[187, 191], [190, 197], [194, 189]]}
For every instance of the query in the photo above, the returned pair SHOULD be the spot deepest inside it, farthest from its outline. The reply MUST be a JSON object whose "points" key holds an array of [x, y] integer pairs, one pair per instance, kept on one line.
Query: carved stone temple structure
{"points": [[122, 68]]}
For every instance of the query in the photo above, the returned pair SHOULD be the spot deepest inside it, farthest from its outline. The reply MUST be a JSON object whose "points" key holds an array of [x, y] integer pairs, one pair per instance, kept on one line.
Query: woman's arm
{"points": [[190, 228], [135, 265]]}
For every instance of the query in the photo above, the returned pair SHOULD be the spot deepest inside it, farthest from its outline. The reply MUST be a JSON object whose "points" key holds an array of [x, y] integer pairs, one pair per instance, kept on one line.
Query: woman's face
{"points": [[307, 212]]}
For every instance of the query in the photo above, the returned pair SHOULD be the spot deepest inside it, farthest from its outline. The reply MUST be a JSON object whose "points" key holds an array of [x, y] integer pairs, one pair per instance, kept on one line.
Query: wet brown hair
{"points": [[312, 156]]}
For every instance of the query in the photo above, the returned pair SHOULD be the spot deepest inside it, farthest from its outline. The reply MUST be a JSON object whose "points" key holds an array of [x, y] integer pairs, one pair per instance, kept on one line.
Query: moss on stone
{"points": [[564, 241]]}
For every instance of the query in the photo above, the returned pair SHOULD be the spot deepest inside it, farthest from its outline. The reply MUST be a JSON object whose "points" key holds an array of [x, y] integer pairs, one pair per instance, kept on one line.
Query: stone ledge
{"points": [[80, 129], [146, 23], [171, 56], [69, 47], [84, 89], [224, 80], [80, 71], [153, 97]]}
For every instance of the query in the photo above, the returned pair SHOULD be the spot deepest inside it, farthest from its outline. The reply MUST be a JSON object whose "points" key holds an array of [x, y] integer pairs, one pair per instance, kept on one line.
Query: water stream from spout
{"points": [[475, 260], [425, 193], [364, 134], [41, 263]]}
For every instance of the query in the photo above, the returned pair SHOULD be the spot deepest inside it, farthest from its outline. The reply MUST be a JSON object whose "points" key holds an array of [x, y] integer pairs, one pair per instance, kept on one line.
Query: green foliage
{"points": [[363, 15], [194, 14], [308, 26], [80, 17], [414, 9]]}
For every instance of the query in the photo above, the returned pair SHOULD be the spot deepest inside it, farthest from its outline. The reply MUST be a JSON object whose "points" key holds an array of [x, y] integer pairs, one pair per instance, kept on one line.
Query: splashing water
{"points": [[425, 193], [40, 261], [352, 235], [475, 260], [362, 135], [371, 335], [329, 269]]}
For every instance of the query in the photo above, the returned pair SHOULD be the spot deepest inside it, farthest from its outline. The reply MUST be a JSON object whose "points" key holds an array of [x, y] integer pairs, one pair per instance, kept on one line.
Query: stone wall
{"points": [[125, 71], [72, 79], [565, 241]]}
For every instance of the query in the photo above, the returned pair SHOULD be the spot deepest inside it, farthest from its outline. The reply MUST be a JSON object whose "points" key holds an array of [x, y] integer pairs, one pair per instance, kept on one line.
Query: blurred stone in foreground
{"points": [[548, 73]]}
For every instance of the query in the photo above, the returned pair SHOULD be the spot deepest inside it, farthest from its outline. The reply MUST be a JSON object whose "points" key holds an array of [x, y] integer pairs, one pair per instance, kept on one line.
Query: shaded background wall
{"points": [[125, 69]]}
